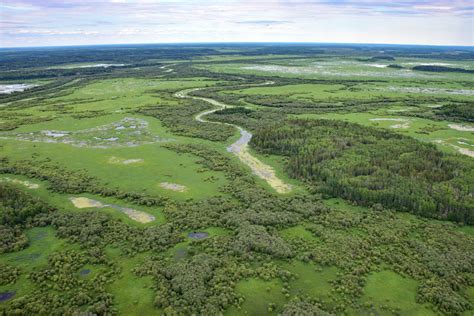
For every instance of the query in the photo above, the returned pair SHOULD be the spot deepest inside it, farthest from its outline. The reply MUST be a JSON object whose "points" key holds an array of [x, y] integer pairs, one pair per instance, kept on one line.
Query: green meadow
{"points": [[388, 292], [91, 151]]}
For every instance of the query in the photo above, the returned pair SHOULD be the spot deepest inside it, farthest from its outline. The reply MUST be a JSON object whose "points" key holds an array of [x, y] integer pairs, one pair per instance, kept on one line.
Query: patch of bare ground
{"points": [[241, 149], [122, 161], [462, 128], [28, 184], [173, 186], [461, 150], [405, 122], [139, 216]]}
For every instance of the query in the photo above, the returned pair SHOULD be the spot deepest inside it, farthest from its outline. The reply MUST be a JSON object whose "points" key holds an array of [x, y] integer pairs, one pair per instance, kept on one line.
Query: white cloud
{"points": [[52, 32], [117, 21], [430, 7]]}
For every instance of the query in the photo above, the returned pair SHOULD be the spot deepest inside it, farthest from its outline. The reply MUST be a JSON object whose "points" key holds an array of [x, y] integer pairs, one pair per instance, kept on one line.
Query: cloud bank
{"points": [[79, 22]]}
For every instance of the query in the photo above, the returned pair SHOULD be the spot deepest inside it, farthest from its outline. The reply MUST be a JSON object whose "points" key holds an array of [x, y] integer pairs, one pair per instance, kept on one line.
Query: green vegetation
{"points": [[374, 148], [259, 297], [371, 167], [388, 291], [442, 69], [133, 295], [437, 132], [311, 280]]}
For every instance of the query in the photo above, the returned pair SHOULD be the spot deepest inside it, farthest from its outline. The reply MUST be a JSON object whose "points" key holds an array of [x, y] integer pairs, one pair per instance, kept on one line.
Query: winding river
{"points": [[240, 148]]}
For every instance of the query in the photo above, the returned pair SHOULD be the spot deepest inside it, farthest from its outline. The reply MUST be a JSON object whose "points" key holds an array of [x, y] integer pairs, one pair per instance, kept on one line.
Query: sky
{"points": [[84, 22]]}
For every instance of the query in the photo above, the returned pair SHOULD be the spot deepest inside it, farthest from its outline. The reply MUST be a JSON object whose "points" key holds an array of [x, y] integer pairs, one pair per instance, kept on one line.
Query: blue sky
{"points": [[45, 23]]}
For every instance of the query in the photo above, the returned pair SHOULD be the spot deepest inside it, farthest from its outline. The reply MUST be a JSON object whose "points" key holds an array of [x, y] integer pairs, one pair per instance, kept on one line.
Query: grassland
{"points": [[134, 295], [222, 241], [259, 297], [386, 290], [159, 164], [334, 67]]}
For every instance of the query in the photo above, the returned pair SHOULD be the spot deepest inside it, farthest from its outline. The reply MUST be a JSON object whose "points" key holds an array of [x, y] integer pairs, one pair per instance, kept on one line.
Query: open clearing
{"points": [[159, 164], [391, 290], [259, 297], [333, 69], [312, 280], [72, 66], [134, 294], [405, 124], [321, 67]]}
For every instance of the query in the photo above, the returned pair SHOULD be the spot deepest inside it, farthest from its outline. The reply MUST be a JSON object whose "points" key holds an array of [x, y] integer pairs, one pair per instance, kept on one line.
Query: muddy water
{"points": [[240, 148], [5, 296], [198, 235]]}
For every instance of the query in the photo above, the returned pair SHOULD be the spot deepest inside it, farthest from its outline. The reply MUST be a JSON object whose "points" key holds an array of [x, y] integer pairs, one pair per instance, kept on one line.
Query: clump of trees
{"points": [[461, 111], [202, 284], [370, 166], [13, 121], [59, 289], [256, 238], [8, 274], [395, 66], [13, 239], [434, 68], [17, 208], [303, 307]]}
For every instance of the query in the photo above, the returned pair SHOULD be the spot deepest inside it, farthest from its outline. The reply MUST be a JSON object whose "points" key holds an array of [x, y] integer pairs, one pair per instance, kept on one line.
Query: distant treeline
{"points": [[143, 54], [433, 68]]}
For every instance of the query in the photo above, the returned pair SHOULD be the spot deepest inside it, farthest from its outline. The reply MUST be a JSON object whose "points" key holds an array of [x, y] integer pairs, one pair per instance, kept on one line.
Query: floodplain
{"points": [[239, 180]]}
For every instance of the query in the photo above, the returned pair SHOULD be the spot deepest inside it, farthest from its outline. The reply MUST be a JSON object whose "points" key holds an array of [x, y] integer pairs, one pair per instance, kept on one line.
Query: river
{"points": [[240, 148]]}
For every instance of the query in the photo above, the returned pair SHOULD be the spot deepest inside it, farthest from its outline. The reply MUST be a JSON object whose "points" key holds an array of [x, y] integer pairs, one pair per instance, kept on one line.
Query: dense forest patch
{"points": [[370, 167], [16, 209], [446, 135]]}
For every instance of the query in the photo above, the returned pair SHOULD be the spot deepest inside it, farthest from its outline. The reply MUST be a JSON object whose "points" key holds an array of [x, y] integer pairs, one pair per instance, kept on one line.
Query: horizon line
{"points": [[239, 42]]}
